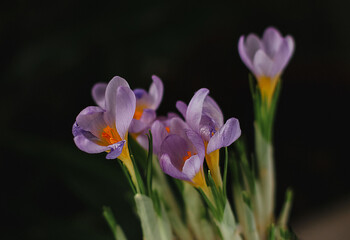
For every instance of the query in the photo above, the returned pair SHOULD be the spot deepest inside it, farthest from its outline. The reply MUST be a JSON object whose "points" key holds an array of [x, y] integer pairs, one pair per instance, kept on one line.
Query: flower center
{"points": [[168, 130], [189, 154], [138, 112], [110, 135]]}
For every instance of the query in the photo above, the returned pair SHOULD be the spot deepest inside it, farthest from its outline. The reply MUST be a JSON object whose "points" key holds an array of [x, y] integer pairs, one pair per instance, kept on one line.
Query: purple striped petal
{"points": [[88, 143], [98, 94], [195, 107], [212, 109], [148, 116], [197, 142], [124, 110], [176, 148], [182, 108], [76, 130], [111, 102], [226, 135], [168, 167], [179, 127], [192, 166], [159, 133], [116, 150], [156, 91], [91, 119]]}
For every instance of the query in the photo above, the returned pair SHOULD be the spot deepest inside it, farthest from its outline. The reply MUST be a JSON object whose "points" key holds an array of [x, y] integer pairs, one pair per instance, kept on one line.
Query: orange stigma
{"points": [[110, 135], [168, 130]]}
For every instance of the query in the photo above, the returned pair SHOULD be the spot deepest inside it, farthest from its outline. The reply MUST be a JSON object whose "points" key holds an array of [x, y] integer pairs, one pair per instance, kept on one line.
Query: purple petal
{"points": [[283, 56], [272, 40], [139, 93], [116, 150], [195, 107], [197, 142], [87, 143], [212, 109], [76, 130], [124, 109], [159, 133], [192, 166], [226, 135], [111, 99], [145, 121], [176, 148], [91, 119], [142, 139], [243, 54], [156, 91], [182, 108], [167, 167], [178, 127], [263, 65], [248, 48], [98, 94]]}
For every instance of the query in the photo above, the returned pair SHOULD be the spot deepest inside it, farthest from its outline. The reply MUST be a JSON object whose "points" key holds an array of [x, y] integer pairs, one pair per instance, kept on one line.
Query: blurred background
{"points": [[52, 52]]}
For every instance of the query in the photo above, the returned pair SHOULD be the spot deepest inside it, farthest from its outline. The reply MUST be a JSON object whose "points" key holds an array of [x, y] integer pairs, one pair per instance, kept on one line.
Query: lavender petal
{"points": [[195, 107], [115, 150], [226, 135], [156, 91], [98, 94]]}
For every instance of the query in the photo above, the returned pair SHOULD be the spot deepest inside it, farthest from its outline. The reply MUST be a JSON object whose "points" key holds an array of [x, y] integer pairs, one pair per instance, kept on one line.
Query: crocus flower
{"points": [[182, 154], [204, 116], [104, 128], [146, 106], [266, 57]]}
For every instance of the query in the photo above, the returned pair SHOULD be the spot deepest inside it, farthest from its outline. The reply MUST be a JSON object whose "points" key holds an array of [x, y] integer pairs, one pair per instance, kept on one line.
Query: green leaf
{"points": [[250, 226], [271, 234], [148, 217], [149, 164], [196, 215], [127, 175], [283, 218], [139, 179], [227, 225], [225, 172], [116, 229]]}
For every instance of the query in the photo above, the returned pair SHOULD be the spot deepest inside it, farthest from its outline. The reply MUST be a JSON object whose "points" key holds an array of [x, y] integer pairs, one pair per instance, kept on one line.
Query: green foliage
{"points": [[115, 228]]}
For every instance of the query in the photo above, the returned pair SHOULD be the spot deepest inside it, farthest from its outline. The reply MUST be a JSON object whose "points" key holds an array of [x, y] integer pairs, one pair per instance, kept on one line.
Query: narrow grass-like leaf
{"points": [[149, 164], [127, 175], [217, 196], [116, 229], [137, 173], [208, 202], [283, 218], [225, 172], [271, 234]]}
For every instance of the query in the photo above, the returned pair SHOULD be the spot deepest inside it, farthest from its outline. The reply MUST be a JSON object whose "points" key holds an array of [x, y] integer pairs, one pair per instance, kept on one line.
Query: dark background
{"points": [[52, 52]]}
